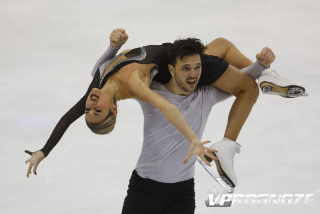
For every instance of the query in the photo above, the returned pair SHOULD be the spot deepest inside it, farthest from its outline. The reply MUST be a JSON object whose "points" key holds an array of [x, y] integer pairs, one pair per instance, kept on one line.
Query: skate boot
{"points": [[272, 83], [226, 151]]}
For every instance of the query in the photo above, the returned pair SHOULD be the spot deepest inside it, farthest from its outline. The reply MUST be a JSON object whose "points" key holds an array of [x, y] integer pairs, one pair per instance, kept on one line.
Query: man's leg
{"points": [[147, 196], [225, 49]]}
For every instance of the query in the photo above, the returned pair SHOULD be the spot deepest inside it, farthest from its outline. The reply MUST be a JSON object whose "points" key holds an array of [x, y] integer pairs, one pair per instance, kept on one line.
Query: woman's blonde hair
{"points": [[104, 127]]}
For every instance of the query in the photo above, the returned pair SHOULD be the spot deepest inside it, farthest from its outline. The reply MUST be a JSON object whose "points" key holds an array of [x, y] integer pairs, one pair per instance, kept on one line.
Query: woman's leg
{"points": [[225, 49]]}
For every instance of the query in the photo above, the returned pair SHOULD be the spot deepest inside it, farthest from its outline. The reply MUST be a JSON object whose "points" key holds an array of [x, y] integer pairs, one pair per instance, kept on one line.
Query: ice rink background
{"points": [[48, 49]]}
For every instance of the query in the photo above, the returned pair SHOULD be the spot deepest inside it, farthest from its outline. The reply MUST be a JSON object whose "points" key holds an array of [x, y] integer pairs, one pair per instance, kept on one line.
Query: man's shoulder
{"points": [[205, 89], [216, 94], [211, 92], [208, 89], [155, 85]]}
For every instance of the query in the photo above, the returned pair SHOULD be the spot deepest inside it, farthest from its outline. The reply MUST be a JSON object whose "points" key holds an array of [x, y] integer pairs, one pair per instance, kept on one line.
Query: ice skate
{"points": [[271, 82], [226, 151]]}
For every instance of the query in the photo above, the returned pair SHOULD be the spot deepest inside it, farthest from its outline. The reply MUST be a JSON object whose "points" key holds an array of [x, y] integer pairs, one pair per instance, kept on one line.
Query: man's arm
{"points": [[246, 91]]}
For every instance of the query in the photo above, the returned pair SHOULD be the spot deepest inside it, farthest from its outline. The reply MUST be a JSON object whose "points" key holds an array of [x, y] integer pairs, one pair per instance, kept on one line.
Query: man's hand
{"points": [[265, 57], [118, 37], [196, 147], [35, 159]]}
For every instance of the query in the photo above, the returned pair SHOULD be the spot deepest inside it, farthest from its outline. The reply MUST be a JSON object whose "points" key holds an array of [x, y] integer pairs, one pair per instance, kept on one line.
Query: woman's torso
{"points": [[123, 66]]}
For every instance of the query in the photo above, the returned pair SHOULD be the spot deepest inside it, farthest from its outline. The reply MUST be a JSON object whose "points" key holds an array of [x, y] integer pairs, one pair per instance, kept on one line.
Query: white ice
{"points": [[48, 49]]}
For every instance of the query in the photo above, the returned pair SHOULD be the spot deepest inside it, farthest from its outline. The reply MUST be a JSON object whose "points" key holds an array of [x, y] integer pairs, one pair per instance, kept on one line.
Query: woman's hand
{"points": [[265, 57], [118, 37], [35, 159], [196, 147]]}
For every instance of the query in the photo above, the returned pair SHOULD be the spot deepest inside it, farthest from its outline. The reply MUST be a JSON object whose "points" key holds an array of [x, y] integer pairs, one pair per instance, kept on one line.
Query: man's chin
{"points": [[191, 88]]}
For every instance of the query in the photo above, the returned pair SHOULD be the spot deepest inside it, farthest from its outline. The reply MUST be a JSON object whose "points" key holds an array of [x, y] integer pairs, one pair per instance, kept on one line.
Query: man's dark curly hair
{"points": [[183, 47]]}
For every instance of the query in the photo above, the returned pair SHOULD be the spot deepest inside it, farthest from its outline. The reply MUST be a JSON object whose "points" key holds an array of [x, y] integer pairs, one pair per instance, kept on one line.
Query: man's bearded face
{"points": [[187, 72]]}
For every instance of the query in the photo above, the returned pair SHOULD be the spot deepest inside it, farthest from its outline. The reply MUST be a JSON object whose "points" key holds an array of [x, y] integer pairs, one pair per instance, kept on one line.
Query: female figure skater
{"points": [[128, 75]]}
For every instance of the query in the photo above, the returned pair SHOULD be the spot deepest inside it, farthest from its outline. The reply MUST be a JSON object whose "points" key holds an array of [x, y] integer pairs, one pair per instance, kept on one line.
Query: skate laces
{"points": [[236, 150]]}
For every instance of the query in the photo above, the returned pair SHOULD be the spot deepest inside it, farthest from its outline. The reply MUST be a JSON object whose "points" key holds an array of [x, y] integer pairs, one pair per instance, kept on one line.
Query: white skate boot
{"points": [[226, 151], [272, 83]]}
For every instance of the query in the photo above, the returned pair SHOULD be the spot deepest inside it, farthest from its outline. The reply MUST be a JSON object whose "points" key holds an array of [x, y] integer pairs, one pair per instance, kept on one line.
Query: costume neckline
{"points": [[142, 56]]}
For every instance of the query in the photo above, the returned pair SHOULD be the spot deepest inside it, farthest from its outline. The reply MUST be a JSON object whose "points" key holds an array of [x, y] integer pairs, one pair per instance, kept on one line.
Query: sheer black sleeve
{"points": [[78, 109], [72, 115]]}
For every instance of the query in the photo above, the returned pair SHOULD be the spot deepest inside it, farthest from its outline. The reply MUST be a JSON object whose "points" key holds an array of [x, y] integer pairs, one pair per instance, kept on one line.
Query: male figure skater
{"points": [[162, 182]]}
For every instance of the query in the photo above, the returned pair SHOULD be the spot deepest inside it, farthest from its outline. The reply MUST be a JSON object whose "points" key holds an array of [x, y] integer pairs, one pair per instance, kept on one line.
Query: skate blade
{"points": [[290, 91], [226, 186], [222, 174]]}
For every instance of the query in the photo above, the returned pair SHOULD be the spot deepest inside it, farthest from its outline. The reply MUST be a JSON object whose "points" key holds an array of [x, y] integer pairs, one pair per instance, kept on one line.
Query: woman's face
{"points": [[98, 105]]}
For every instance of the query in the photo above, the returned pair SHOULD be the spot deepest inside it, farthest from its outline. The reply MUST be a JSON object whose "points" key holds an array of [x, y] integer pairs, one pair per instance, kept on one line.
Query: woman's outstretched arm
{"points": [[142, 92], [72, 115], [77, 110], [66, 120]]}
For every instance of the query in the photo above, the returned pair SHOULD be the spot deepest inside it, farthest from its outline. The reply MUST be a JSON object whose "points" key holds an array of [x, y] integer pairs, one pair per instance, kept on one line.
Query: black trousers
{"points": [[146, 196]]}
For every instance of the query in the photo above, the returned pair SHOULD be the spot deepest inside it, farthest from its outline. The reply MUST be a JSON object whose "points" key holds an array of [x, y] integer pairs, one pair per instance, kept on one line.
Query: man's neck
{"points": [[174, 88]]}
